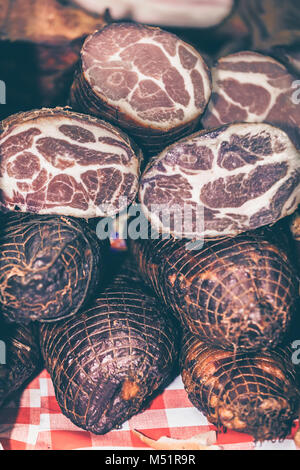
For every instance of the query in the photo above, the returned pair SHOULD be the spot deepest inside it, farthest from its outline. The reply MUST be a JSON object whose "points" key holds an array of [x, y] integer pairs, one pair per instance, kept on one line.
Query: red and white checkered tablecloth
{"points": [[35, 422]]}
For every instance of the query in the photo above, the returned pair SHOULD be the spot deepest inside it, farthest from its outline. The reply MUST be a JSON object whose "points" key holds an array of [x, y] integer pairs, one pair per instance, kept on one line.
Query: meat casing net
{"points": [[22, 357], [54, 161], [222, 182]]}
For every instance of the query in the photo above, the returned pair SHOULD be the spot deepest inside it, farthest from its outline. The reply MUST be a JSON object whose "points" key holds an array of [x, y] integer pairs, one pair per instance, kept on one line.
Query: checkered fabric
{"points": [[33, 421]]}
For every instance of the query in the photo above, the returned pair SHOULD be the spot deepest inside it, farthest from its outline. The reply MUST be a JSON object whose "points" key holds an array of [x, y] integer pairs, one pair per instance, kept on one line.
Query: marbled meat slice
{"points": [[235, 293], [252, 87], [54, 161], [222, 182], [144, 79], [107, 361], [20, 357], [256, 393], [49, 266]]}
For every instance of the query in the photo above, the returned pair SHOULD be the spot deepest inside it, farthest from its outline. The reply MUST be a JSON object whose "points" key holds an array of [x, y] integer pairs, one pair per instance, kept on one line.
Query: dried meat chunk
{"points": [[54, 161]]}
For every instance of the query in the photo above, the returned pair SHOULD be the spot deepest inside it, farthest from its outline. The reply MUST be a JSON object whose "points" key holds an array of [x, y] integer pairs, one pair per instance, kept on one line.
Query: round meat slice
{"points": [[187, 13], [252, 87], [49, 266], [295, 230], [144, 79], [237, 293], [54, 161], [222, 182]]}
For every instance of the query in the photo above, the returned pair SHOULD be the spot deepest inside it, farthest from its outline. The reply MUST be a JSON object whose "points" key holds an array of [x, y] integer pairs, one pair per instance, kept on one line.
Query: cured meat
{"points": [[20, 357], [222, 182], [251, 87], [253, 392], [107, 361], [270, 22], [49, 266], [235, 293], [39, 48], [190, 13], [295, 229], [146, 80], [54, 161]]}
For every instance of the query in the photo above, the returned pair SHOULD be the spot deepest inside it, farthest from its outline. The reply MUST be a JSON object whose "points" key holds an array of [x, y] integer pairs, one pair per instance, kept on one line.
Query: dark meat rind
{"points": [[295, 231], [56, 161], [49, 266], [248, 392], [236, 293], [40, 42], [253, 87], [107, 361], [289, 56], [188, 14], [22, 357]]}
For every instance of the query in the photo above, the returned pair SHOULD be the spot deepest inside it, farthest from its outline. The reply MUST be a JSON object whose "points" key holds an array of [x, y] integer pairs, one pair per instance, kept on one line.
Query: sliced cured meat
{"points": [[146, 80], [49, 266], [54, 161], [20, 357], [39, 49], [108, 360], [236, 293], [252, 87], [222, 182], [256, 393], [188, 13]]}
